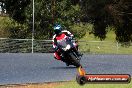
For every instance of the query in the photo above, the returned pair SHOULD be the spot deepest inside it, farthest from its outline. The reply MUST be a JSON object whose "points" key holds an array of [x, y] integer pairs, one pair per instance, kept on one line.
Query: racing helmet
{"points": [[57, 29]]}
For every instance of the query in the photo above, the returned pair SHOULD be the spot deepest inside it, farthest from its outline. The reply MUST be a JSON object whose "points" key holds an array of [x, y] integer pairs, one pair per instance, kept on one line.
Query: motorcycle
{"points": [[68, 53]]}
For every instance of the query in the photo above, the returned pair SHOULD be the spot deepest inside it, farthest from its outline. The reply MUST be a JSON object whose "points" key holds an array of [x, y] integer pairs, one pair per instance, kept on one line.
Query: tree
{"points": [[16, 9], [47, 12], [104, 13], [122, 14]]}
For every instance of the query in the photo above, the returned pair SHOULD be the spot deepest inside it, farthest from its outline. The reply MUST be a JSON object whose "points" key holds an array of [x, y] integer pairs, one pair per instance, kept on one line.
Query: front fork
{"points": [[77, 57]]}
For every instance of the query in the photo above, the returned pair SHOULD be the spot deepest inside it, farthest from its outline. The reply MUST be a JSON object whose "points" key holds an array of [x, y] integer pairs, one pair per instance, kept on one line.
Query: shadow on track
{"points": [[63, 67]]}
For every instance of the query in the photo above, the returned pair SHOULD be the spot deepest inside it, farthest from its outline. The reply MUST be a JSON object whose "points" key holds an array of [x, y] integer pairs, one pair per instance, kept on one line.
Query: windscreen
{"points": [[63, 43]]}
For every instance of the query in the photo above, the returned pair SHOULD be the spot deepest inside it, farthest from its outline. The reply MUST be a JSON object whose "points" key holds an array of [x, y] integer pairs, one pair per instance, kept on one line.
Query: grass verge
{"points": [[92, 45], [72, 84], [75, 85]]}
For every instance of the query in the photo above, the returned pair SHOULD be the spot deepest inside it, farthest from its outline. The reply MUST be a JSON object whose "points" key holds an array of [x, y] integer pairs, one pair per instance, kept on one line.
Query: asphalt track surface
{"points": [[39, 68]]}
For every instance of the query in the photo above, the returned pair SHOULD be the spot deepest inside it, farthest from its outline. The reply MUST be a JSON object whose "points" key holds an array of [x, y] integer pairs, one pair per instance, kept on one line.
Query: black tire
{"points": [[75, 61]]}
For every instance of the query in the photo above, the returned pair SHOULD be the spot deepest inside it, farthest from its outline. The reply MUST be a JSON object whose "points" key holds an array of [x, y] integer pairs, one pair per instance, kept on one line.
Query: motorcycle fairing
{"points": [[63, 41]]}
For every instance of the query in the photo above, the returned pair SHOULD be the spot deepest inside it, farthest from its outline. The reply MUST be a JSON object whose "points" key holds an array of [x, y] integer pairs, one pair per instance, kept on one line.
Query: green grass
{"points": [[104, 47], [75, 85], [92, 45], [72, 84]]}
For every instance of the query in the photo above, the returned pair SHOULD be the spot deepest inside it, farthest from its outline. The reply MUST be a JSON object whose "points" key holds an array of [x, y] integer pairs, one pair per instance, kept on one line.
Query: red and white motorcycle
{"points": [[68, 52]]}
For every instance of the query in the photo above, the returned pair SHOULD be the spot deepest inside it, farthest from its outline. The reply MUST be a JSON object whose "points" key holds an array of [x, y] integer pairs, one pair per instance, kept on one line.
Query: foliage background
{"points": [[74, 15]]}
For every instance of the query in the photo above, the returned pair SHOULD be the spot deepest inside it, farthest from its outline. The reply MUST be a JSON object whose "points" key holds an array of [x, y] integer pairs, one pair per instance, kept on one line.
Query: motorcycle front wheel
{"points": [[75, 62]]}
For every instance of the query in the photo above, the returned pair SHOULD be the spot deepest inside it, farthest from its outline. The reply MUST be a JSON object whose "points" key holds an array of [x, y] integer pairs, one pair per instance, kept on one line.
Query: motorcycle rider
{"points": [[58, 36]]}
